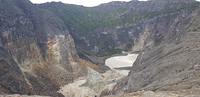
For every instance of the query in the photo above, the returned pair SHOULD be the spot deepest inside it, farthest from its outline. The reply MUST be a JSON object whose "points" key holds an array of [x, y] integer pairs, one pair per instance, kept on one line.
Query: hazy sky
{"points": [[88, 3]]}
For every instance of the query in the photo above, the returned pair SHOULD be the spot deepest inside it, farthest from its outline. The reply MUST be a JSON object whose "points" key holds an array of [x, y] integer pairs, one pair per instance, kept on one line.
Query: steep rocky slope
{"points": [[173, 65], [159, 94], [37, 53]]}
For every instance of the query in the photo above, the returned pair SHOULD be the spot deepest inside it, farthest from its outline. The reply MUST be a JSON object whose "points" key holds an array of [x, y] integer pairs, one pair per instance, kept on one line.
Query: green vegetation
{"points": [[196, 29], [87, 20], [129, 44], [83, 56], [140, 15], [109, 52]]}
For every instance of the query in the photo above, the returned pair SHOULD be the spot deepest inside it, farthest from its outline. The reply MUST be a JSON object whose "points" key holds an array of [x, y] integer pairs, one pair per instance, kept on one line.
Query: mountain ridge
{"points": [[113, 18]]}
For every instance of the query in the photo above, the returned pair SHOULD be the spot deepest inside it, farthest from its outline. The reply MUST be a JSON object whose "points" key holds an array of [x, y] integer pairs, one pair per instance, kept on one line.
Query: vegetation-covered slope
{"points": [[109, 25], [82, 18], [87, 19]]}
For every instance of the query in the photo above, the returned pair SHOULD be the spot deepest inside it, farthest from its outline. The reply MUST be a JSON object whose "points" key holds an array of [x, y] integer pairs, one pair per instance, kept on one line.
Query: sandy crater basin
{"points": [[121, 61]]}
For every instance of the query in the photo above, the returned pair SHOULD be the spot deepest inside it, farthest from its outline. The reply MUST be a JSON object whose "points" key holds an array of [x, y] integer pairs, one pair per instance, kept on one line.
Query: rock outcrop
{"points": [[37, 53]]}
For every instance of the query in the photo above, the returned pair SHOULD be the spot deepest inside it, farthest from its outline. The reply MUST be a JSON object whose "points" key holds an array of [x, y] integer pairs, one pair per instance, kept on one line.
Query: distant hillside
{"points": [[84, 19], [104, 28]]}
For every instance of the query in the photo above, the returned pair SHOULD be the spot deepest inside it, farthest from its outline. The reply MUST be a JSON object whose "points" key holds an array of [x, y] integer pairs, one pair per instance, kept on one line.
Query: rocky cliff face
{"points": [[37, 53], [172, 65]]}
